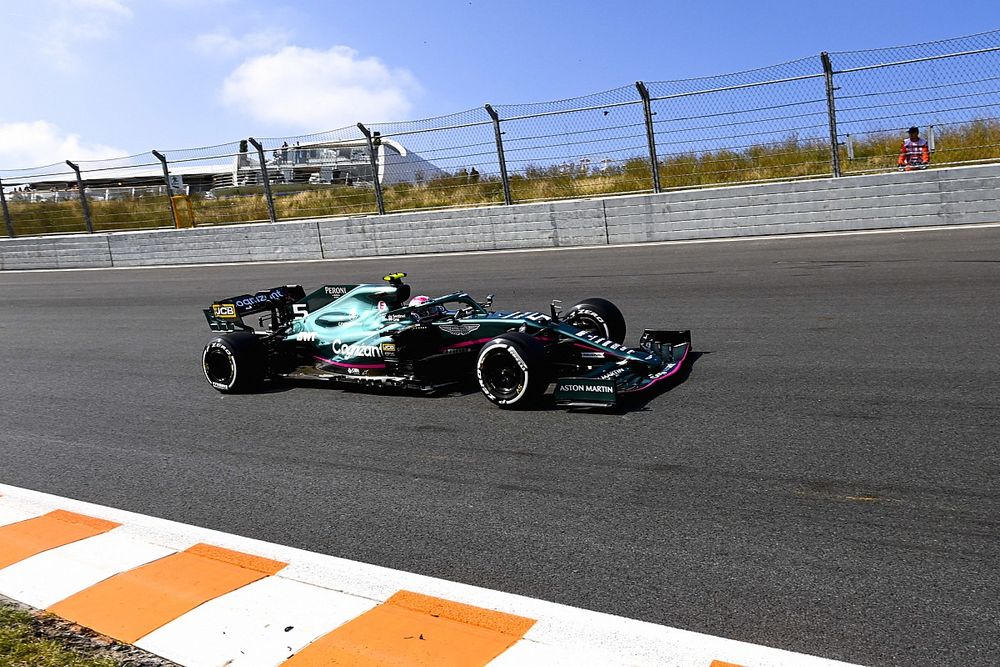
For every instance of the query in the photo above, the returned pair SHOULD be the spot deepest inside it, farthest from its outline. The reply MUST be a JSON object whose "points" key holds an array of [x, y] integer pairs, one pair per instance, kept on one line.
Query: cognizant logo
{"points": [[354, 350]]}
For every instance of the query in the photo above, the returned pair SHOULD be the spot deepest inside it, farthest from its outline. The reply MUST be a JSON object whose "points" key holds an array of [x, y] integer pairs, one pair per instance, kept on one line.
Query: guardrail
{"points": [[935, 197]]}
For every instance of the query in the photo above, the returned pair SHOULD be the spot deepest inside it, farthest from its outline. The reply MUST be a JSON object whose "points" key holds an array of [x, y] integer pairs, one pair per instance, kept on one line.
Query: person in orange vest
{"points": [[914, 154]]}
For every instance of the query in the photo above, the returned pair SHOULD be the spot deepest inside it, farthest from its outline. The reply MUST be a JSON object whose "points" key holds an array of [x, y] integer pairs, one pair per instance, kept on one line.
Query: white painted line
{"points": [[527, 653], [54, 575], [259, 625], [465, 253], [13, 512], [633, 642], [560, 634]]}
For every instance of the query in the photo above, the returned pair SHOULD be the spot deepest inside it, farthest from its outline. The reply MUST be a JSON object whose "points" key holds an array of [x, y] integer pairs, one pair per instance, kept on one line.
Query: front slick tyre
{"points": [[598, 316], [512, 371], [235, 362]]}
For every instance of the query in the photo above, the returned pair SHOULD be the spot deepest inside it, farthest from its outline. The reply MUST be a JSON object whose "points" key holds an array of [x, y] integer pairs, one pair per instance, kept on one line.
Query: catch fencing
{"points": [[831, 115]]}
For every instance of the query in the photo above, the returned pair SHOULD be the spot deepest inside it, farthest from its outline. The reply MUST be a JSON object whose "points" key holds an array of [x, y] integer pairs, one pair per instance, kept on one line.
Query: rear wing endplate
{"points": [[228, 314]]}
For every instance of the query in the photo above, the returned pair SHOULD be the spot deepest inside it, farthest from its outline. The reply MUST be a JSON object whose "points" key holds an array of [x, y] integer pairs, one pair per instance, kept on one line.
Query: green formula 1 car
{"points": [[375, 334]]}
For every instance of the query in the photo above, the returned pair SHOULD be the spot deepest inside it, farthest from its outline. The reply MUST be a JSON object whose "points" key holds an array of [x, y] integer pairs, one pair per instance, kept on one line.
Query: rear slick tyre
{"points": [[234, 362], [512, 371]]}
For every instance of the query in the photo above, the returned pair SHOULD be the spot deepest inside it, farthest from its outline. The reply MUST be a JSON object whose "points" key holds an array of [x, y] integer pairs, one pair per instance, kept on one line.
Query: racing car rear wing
{"points": [[228, 314]]}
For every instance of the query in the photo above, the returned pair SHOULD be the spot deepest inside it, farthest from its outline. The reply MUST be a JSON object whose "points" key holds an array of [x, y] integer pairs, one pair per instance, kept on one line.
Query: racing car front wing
{"points": [[605, 385]]}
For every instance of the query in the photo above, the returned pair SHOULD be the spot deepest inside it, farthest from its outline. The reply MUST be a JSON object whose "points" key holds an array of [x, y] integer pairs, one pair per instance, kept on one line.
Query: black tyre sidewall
{"points": [[529, 354], [603, 313], [246, 357]]}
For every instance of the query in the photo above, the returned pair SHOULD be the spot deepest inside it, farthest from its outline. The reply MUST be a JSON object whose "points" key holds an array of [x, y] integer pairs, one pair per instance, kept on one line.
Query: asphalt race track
{"points": [[824, 481]]}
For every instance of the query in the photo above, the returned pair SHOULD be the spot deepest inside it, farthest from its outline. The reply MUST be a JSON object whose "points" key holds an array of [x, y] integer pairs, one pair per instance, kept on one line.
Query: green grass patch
{"points": [[21, 645]]}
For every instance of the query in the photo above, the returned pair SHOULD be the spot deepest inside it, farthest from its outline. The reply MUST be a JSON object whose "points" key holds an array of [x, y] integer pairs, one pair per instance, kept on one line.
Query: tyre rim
{"points": [[218, 367], [502, 376], [590, 325]]}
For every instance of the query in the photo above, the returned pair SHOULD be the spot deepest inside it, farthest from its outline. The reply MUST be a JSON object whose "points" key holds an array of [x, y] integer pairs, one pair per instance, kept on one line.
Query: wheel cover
{"points": [[218, 366], [590, 325], [502, 375]]}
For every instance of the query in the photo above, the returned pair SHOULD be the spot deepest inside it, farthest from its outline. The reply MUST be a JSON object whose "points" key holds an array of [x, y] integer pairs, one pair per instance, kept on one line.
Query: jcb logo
{"points": [[226, 311]]}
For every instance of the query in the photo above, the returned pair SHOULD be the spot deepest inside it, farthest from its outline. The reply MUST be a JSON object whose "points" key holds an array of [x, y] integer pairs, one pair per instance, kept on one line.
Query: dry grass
{"points": [[345, 200], [67, 216], [974, 141], [978, 140], [20, 645]]}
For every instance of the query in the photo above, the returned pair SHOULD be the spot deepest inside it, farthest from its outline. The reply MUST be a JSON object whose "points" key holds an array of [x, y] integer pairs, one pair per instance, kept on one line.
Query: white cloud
{"points": [[73, 22], [223, 43], [37, 143], [317, 90], [184, 4], [113, 6]]}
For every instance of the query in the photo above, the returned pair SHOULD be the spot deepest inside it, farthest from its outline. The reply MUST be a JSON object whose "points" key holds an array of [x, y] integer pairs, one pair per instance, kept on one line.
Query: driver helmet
{"points": [[419, 301]]}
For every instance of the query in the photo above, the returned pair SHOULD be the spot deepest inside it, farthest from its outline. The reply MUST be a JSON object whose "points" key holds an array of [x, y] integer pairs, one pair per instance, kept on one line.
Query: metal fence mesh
{"points": [[769, 123], [224, 182], [761, 124], [445, 161], [126, 193], [950, 89], [54, 209], [321, 174], [595, 144]]}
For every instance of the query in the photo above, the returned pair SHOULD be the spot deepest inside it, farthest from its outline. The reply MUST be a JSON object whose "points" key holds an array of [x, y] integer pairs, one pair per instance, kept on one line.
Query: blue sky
{"points": [[88, 79]]}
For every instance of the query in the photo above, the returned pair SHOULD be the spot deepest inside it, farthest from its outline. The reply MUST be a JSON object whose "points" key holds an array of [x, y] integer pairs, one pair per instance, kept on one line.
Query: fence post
{"points": [[831, 112], [647, 110], [504, 178], [267, 181], [83, 197], [6, 212], [166, 180], [374, 161]]}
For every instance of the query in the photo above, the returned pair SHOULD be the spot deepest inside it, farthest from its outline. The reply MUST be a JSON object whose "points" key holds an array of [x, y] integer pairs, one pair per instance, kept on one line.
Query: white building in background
{"points": [[347, 162], [323, 162]]}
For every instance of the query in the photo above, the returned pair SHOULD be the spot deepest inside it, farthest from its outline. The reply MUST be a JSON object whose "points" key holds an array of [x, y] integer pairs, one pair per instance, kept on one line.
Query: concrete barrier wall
{"points": [[238, 243], [569, 223], [935, 197], [55, 252]]}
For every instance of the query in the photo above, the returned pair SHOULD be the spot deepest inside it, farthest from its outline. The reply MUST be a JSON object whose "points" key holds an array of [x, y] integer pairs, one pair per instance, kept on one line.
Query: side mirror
{"points": [[489, 302], [556, 309]]}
